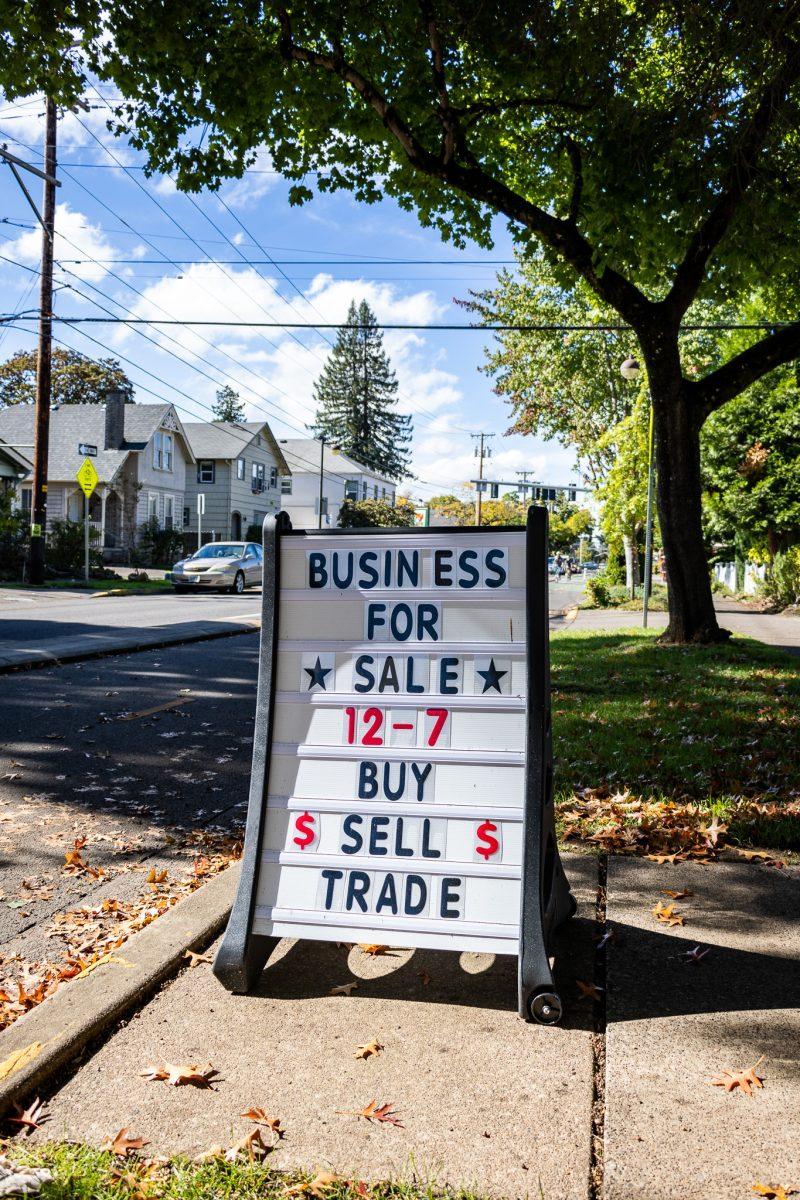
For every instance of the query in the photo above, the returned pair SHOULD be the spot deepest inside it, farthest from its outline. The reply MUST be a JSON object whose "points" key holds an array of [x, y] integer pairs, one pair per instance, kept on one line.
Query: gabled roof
{"points": [[71, 424], [303, 456], [21, 460], [228, 439]]}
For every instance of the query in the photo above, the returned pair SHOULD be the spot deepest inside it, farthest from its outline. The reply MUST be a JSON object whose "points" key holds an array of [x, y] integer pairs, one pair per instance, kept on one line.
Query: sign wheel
{"points": [[545, 1008]]}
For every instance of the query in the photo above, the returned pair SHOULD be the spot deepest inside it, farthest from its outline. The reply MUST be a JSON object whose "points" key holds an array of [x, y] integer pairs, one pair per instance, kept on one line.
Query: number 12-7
{"points": [[367, 726]]}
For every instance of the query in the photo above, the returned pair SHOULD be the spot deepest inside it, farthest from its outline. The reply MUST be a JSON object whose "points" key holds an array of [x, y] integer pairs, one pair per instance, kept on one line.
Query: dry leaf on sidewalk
{"points": [[697, 955], [666, 914], [343, 989], [681, 895], [368, 1050], [589, 991], [747, 1081], [124, 1143], [373, 949], [196, 959], [176, 1076], [252, 1145], [773, 1191], [259, 1115], [383, 1113], [319, 1186], [31, 1117]]}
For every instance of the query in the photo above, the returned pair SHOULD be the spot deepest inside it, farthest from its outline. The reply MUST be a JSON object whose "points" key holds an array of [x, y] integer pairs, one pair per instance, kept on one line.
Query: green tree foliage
{"points": [[356, 395], [13, 536], [76, 378], [623, 491], [228, 406], [751, 468], [650, 149], [378, 514], [449, 509]]}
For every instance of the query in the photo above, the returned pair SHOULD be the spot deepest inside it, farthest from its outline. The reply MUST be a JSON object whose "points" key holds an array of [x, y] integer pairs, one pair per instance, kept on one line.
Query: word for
{"points": [[396, 727], [402, 622], [391, 894], [367, 570]]}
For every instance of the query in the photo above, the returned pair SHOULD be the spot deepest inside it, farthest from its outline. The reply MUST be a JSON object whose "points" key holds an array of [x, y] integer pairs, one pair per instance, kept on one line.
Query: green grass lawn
{"points": [[132, 587], [711, 726], [82, 1173]]}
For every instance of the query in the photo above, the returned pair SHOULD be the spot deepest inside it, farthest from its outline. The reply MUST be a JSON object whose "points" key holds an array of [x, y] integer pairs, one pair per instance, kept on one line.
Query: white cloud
{"points": [[76, 239], [245, 193], [24, 119]]}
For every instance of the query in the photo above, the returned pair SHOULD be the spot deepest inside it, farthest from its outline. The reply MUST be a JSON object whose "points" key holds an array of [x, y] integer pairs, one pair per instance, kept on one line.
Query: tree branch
{"points": [[561, 235], [576, 162], [716, 389], [740, 175]]}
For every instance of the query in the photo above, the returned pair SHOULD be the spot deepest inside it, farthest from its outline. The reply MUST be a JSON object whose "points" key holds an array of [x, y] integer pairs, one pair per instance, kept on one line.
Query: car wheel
{"points": [[238, 583]]}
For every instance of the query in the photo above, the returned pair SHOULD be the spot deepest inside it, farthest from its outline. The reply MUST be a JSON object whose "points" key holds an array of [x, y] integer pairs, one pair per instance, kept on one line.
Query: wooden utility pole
{"points": [[481, 451], [41, 442]]}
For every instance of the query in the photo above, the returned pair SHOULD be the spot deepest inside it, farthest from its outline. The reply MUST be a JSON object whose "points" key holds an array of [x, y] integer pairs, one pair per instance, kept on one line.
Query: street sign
{"points": [[422, 515], [201, 503], [87, 477], [87, 449], [401, 784]]}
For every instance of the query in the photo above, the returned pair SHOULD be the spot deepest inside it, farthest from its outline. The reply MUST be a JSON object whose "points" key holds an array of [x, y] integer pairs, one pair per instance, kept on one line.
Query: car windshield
{"points": [[220, 550]]}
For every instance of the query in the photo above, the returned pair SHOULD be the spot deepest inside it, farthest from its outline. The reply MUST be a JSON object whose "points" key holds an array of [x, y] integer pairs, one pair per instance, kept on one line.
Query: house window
{"points": [[273, 477], [257, 479], [152, 506], [186, 516], [375, 492], [351, 489], [240, 468], [25, 496], [206, 471], [383, 493], [169, 512], [363, 491], [322, 505], [286, 485], [162, 451]]}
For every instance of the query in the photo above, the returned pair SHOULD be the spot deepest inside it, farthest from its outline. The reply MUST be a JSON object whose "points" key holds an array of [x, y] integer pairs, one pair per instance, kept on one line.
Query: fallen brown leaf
{"points": [[157, 876], [177, 1076], [696, 955], [31, 1117], [123, 1144], [373, 949], [774, 1191], [343, 989], [681, 895], [196, 959], [368, 1050], [666, 914], [259, 1115], [383, 1113], [252, 1145], [589, 991], [319, 1186], [747, 1081]]}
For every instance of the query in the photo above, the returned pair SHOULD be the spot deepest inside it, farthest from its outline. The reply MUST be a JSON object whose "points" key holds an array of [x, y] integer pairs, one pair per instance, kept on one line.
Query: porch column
{"points": [[103, 498]]}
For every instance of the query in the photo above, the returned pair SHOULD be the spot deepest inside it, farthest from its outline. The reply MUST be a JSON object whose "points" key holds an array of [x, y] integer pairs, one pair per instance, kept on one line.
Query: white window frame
{"points": [[351, 490], [241, 468], [169, 501], [152, 502], [202, 464], [163, 451], [273, 477], [364, 490], [286, 485]]}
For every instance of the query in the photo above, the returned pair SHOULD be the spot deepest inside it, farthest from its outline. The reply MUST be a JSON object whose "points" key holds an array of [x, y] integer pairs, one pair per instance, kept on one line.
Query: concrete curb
{"points": [[138, 641], [51, 1036]]}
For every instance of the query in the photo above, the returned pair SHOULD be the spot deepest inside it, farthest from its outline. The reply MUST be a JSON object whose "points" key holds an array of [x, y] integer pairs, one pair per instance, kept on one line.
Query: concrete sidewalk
{"points": [[485, 1100], [773, 629]]}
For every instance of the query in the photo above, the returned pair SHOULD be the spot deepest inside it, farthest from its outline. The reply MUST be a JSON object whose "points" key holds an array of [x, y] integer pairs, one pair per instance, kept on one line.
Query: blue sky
{"points": [[171, 255]]}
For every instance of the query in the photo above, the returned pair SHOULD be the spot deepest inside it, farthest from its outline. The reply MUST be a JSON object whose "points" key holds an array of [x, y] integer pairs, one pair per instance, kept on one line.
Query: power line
{"points": [[393, 325]]}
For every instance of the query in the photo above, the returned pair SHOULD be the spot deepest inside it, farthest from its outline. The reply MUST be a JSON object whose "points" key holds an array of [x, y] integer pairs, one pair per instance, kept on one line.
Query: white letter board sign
{"points": [[401, 790]]}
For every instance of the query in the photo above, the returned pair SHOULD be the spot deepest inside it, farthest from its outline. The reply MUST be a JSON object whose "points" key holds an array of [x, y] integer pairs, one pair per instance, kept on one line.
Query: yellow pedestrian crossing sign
{"points": [[87, 477]]}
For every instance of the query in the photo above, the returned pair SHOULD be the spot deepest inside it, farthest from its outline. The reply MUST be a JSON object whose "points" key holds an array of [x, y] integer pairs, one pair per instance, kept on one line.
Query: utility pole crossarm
{"points": [[12, 159]]}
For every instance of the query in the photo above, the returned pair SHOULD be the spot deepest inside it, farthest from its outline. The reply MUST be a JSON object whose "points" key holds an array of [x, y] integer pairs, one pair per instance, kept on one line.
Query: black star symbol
{"points": [[492, 677], [317, 674]]}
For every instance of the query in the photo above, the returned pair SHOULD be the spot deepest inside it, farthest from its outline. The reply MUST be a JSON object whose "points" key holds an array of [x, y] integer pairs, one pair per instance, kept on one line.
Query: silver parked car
{"points": [[225, 566]]}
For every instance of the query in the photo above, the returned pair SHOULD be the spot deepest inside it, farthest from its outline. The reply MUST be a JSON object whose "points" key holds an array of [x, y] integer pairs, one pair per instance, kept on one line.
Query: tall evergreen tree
{"points": [[356, 397], [228, 406]]}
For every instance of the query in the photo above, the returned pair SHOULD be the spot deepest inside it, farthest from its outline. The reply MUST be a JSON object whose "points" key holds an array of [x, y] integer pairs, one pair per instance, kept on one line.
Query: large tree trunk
{"points": [[692, 617]]}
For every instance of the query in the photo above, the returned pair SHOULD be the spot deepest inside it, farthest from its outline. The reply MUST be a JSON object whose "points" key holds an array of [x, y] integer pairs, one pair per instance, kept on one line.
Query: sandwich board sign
{"points": [[401, 790]]}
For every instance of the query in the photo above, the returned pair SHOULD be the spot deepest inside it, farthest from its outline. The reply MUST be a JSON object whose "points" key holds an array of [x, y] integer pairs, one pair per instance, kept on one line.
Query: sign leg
{"points": [[86, 537]]}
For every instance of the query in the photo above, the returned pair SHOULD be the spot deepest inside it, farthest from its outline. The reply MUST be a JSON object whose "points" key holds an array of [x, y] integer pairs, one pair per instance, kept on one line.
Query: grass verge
{"points": [[129, 587], [82, 1173], [712, 729]]}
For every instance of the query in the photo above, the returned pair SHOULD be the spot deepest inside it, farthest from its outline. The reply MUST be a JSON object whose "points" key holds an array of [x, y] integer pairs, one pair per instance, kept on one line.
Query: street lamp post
{"points": [[630, 369], [321, 476]]}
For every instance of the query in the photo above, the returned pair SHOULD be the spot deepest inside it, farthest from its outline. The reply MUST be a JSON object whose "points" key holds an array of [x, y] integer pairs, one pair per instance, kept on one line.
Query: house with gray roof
{"points": [[342, 479], [238, 473], [141, 462]]}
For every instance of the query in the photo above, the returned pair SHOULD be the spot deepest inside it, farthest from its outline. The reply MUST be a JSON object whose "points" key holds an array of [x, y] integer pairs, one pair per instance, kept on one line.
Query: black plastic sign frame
{"points": [[546, 900]]}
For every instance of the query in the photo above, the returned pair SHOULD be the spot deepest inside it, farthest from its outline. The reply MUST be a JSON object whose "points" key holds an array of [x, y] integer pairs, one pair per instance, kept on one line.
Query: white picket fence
{"points": [[725, 573]]}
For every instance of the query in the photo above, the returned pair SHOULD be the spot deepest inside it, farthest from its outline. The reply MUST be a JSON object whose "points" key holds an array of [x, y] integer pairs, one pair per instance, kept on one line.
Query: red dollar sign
{"points": [[302, 824], [491, 844]]}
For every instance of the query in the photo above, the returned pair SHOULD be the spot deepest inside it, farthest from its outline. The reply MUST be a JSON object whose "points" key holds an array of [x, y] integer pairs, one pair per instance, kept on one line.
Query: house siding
{"points": [[228, 494]]}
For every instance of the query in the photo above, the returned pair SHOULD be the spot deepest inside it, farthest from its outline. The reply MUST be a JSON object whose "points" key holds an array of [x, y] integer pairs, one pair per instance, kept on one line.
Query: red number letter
{"points": [[350, 713], [373, 719], [440, 715]]}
